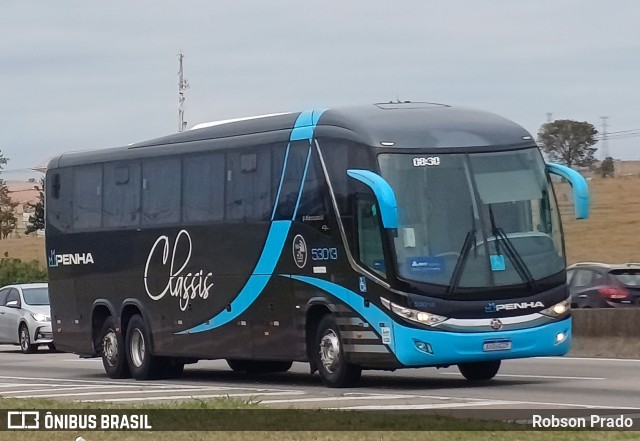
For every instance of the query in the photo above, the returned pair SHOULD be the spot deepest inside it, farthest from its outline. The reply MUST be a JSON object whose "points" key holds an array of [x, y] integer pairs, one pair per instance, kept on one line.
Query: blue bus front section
{"points": [[418, 347], [414, 347]]}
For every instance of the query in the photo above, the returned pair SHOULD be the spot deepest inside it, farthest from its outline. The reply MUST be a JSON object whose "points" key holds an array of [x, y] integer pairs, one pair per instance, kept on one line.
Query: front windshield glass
{"points": [[474, 220], [36, 296]]}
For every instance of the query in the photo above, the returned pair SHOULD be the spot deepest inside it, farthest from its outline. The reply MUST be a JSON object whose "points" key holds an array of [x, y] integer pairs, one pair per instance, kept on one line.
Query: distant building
{"points": [[24, 193]]}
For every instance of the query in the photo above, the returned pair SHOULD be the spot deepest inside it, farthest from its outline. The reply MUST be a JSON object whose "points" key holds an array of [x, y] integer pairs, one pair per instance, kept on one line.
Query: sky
{"points": [[77, 75]]}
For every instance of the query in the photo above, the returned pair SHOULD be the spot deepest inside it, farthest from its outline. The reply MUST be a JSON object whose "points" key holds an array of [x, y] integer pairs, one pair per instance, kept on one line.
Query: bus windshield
{"points": [[474, 220]]}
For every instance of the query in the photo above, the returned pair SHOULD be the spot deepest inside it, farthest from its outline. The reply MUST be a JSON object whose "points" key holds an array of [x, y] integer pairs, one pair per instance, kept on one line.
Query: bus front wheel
{"points": [[480, 370], [328, 356]]}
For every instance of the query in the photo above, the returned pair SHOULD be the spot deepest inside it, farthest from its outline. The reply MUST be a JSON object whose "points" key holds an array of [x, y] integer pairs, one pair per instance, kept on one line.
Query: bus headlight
{"points": [[559, 309], [422, 317]]}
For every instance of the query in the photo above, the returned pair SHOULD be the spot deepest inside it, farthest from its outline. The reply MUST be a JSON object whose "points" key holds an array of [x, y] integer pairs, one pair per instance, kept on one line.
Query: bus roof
{"points": [[396, 125]]}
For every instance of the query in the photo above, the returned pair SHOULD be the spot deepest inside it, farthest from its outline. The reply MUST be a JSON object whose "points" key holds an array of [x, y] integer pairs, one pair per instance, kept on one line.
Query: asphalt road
{"points": [[555, 383]]}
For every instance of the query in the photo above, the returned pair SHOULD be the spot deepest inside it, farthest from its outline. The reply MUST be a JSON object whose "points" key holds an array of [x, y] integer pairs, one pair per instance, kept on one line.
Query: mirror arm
{"points": [[384, 194], [579, 185]]}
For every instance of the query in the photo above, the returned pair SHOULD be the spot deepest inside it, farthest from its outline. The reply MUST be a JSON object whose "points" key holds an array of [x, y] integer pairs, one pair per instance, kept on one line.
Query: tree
{"points": [[36, 220], [569, 142], [8, 220], [607, 168]]}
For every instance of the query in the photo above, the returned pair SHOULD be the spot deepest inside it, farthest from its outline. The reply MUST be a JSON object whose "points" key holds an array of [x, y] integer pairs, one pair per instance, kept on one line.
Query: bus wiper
{"points": [[512, 252], [469, 242]]}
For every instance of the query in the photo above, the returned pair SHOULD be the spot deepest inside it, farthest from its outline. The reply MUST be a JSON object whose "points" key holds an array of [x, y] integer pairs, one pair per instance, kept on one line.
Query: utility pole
{"points": [[605, 137], [183, 85]]}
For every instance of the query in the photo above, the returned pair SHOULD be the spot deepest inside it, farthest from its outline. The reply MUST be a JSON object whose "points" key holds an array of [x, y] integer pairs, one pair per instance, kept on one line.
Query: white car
{"points": [[25, 316]]}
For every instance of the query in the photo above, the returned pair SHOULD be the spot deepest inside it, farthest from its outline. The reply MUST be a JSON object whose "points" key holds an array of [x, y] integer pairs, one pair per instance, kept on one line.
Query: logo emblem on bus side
{"points": [[496, 324], [299, 251]]}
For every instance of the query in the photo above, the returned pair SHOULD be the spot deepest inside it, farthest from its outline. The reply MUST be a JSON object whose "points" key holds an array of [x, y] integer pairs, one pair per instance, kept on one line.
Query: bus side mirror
{"points": [[384, 194], [579, 185]]}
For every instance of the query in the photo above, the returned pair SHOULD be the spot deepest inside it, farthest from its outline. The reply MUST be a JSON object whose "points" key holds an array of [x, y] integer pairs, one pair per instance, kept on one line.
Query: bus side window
{"points": [[312, 208], [203, 188], [161, 191], [248, 185], [370, 250], [121, 194], [60, 206], [87, 197]]}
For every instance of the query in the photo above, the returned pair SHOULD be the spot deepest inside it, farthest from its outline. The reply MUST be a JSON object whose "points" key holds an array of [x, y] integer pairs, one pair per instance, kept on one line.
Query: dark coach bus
{"points": [[375, 237]]}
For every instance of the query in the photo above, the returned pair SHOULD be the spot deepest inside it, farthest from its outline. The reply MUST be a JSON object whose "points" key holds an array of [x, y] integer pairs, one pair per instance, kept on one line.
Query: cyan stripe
{"points": [[304, 176], [302, 129], [257, 281]]}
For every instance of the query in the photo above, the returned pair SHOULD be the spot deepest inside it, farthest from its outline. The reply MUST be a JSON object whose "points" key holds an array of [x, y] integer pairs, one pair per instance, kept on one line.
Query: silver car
{"points": [[25, 316]]}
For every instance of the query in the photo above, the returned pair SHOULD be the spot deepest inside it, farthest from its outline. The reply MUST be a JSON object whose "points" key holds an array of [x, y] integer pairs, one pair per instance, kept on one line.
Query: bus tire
{"points": [[113, 349], [479, 370], [142, 364], [328, 355], [259, 367]]}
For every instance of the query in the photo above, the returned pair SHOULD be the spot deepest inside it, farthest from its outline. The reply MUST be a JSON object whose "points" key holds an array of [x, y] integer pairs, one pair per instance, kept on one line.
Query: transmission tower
{"points": [[183, 85], [605, 137]]}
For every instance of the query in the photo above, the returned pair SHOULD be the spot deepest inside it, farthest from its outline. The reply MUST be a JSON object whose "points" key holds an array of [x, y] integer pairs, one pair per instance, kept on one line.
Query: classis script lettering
{"points": [[183, 286]]}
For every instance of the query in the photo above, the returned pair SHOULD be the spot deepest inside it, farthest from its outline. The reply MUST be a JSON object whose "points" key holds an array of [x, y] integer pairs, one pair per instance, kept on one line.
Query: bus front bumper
{"points": [[417, 347]]}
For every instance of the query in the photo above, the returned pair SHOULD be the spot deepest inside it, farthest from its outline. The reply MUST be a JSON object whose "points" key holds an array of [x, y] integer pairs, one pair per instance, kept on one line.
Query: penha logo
{"points": [[69, 259], [178, 284], [492, 307], [299, 251]]}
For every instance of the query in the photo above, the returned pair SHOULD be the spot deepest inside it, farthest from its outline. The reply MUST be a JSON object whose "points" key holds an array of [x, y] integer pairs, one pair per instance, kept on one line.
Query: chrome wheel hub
{"points": [[110, 348], [137, 348], [330, 350]]}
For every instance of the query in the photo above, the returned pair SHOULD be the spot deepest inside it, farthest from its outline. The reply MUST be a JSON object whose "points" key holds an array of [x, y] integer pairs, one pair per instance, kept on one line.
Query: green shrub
{"points": [[16, 271]]}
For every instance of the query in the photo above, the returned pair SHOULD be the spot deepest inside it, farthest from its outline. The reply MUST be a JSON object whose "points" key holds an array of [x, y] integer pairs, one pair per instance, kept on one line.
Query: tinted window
{"points": [[121, 194], [582, 278], [248, 186], [161, 191], [14, 295], [369, 235], [3, 296], [203, 192], [628, 277], [87, 197], [36, 296], [296, 160], [312, 209], [60, 209]]}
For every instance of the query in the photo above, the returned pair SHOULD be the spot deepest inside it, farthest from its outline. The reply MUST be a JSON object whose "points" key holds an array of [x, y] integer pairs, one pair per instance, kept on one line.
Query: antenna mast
{"points": [[605, 137], [183, 85]]}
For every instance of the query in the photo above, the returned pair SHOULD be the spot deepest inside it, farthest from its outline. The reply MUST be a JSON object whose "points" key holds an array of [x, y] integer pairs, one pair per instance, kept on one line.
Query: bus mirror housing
{"points": [[384, 194], [579, 185]]}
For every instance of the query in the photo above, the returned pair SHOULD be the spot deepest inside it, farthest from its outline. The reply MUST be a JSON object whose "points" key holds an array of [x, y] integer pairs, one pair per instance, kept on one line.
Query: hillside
{"points": [[611, 234]]}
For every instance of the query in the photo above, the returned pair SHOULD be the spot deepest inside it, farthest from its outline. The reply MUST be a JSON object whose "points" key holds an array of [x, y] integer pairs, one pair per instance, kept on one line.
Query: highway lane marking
{"points": [[63, 388], [338, 398], [551, 377], [135, 383], [420, 406], [191, 397], [583, 406], [633, 360], [147, 391]]}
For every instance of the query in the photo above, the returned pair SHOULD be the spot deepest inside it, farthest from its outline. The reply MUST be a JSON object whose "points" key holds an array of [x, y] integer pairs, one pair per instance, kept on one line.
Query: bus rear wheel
{"points": [[142, 364], [112, 349], [480, 370], [259, 367], [329, 358]]}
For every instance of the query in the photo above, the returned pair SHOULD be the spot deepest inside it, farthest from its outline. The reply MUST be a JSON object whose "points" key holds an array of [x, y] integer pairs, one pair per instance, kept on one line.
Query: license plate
{"points": [[496, 345]]}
